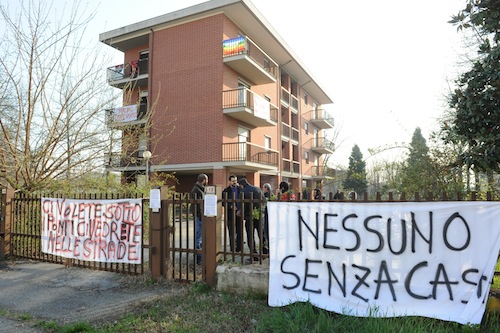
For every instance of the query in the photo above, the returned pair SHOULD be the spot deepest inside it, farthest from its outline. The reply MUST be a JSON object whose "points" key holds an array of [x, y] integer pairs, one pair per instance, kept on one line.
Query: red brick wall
{"points": [[186, 87]]}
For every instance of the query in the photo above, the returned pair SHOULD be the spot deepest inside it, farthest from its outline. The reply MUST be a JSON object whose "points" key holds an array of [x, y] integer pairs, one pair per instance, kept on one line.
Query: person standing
{"points": [[267, 191], [286, 194], [252, 222], [317, 194], [197, 193], [231, 195]]}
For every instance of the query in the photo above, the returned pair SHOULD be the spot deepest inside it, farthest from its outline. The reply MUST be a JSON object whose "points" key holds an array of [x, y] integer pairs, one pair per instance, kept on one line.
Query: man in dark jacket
{"points": [[252, 222], [231, 196], [198, 192]]}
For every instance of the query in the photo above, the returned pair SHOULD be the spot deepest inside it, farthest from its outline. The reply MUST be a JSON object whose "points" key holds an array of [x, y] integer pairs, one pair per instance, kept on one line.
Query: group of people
{"points": [[237, 214], [252, 210], [247, 214]]}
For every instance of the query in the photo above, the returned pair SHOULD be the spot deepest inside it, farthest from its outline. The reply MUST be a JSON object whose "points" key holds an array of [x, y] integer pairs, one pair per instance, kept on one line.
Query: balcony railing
{"points": [[294, 103], [249, 152], [118, 160], [287, 166], [245, 57], [285, 97], [295, 134], [292, 167], [317, 172], [126, 115], [321, 145], [285, 130], [136, 70], [289, 100], [321, 119], [246, 106]]}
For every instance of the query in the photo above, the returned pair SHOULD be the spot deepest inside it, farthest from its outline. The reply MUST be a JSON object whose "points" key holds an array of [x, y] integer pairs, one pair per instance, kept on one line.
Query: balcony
{"points": [[249, 156], [285, 97], [290, 168], [246, 58], [321, 145], [294, 104], [118, 160], [295, 134], [285, 132], [248, 107], [321, 119], [317, 173], [135, 73], [126, 115], [289, 100]]}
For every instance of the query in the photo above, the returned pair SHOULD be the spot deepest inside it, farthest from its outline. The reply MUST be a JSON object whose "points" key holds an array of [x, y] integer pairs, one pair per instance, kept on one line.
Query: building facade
{"points": [[214, 89]]}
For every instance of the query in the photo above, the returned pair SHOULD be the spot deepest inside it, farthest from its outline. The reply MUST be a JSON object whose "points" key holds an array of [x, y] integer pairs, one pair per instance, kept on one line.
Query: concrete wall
{"points": [[243, 279]]}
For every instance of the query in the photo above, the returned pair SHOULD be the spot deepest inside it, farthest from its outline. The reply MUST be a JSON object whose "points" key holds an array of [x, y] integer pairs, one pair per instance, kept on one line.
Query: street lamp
{"points": [[147, 156]]}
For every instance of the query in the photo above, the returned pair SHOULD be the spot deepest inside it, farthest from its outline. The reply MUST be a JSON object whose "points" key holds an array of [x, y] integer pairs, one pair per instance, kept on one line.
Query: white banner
{"points": [[125, 114], [261, 107], [93, 230], [433, 259]]}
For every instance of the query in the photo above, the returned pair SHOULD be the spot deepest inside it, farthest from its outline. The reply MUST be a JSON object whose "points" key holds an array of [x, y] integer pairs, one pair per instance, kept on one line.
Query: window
{"points": [[243, 138], [267, 143], [306, 156], [143, 107], [143, 62], [267, 66], [306, 127], [144, 54], [243, 94], [305, 99]]}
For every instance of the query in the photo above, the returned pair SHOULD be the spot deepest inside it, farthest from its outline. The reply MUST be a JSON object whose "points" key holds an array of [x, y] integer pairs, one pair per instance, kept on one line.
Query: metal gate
{"points": [[173, 231], [173, 252]]}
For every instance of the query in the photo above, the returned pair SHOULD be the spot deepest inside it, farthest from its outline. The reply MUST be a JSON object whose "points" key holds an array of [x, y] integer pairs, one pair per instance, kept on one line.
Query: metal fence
{"points": [[25, 232], [173, 254], [180, 231]]}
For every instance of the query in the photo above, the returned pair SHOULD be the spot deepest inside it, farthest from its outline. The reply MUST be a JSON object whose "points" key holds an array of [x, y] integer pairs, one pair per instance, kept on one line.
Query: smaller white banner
{"points": [[210, 205], [155, 198], [93, 230], [124, 114], [433, 259], [261, 107]]}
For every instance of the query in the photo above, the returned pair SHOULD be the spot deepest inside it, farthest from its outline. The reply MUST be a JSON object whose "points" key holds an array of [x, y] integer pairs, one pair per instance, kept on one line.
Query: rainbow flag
{"points": [[233, 46]]}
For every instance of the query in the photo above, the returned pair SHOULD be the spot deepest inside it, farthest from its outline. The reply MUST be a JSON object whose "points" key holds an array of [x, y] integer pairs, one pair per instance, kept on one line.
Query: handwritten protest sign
{"points": [[93, 230], [433, 259]]}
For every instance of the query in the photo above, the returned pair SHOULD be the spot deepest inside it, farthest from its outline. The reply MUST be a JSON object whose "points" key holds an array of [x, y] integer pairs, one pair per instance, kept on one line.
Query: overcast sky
{"points": [[386, 64]]}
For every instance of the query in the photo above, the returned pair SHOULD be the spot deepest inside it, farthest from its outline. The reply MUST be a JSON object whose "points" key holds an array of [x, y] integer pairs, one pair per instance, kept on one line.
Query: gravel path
{"points": [[51, 292]]}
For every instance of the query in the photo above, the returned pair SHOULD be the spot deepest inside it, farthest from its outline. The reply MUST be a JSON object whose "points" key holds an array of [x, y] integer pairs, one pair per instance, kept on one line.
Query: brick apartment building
{"points": [[213, 88]]}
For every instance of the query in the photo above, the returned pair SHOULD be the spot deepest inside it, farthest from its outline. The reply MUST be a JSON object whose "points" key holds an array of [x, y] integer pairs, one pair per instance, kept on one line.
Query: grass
{"points": [[496, 279], [196, 308]]}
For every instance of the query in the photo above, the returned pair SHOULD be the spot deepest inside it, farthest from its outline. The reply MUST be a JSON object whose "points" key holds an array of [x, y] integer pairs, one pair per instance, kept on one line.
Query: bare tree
{"points": [[53, 95]]}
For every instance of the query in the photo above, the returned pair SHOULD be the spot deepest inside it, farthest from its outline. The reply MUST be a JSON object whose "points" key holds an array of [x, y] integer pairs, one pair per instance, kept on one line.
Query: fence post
{"points": [[211, 233], [158, 246], [3, 206], [7, 197]]}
